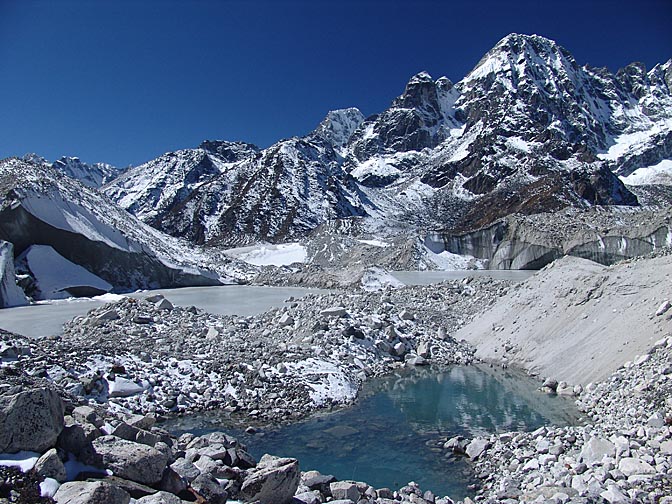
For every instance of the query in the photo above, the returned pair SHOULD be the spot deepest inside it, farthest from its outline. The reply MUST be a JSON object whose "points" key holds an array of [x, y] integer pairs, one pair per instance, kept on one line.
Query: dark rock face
{"points": [[282, 193], [418, 119], [229, 151]]}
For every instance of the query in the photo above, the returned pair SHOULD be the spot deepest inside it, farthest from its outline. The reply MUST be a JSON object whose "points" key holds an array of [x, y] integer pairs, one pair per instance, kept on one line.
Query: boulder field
{"points": [[83, 417]]}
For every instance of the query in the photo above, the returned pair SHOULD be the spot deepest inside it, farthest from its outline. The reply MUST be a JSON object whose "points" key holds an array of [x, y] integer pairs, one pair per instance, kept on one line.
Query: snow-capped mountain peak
{"points": [[338, 126], [527, 130], [89, 174]]}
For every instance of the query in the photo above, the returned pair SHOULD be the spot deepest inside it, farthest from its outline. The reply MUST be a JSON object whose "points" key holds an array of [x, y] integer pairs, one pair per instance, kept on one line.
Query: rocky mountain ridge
{"points": [[528, 130], [41, 207], [89, 174]]}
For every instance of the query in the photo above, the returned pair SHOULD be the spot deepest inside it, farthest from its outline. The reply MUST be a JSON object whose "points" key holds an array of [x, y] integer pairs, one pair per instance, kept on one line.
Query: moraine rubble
{"points": [[185, 360], [147, 356]]}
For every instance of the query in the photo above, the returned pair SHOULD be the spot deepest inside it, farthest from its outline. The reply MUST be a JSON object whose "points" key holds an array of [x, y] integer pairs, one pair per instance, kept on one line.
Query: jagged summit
{"points": [[89, 174], [228, 151], [527, 130], [520, 57], [338, 126]]}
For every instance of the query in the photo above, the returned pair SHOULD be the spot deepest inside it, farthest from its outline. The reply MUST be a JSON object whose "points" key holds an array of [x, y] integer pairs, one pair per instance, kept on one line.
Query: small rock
{"points": [[595, 450], [663, 308], [336, 311], [344, 490], [613, 495], [477, 447], [160, 498], [50, 465], [630, 466], [164, 304], [285, 320]]}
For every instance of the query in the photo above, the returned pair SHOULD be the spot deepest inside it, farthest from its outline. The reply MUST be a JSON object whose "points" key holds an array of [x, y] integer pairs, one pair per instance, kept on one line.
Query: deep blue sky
{"points": [[124, 81]]}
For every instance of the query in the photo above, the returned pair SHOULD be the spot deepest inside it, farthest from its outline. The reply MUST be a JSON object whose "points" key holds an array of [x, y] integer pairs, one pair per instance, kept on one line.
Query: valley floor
{"points": [[574, 322]]}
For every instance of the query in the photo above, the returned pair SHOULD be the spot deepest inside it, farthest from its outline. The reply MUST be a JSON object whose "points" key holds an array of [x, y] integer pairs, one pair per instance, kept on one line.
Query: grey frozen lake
{"points": [[46, 319]]}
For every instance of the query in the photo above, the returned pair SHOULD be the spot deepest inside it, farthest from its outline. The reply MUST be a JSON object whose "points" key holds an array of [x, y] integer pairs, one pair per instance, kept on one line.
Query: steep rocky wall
{"points": [[513, 244], [124, 270]]}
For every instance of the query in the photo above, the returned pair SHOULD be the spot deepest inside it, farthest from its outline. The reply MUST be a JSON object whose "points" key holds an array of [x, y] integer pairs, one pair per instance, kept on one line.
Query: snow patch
{"points": [[628, 142], [49, 487], [54, 274], [270, 255], [377, 167], [660, 173], [24, 460], [375, 279], [375, 243], [518, 143], [325, 380]]}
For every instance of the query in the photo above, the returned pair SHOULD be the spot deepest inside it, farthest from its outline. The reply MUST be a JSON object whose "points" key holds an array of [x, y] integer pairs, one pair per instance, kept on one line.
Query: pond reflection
{"points": [[392, 435]]}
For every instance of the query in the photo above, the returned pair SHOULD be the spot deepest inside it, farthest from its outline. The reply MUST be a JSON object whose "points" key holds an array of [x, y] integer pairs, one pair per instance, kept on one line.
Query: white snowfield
{"points": [[54, 274], [635, 140], [660, 173], [270, 255]]}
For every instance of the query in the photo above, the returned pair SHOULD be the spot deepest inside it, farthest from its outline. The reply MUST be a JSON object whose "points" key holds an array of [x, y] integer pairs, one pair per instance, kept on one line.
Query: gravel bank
{"points": [[577, 321]]}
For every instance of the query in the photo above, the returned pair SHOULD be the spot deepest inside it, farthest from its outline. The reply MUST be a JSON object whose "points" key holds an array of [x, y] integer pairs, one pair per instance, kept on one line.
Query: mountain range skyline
{"points": [[124, 84]]}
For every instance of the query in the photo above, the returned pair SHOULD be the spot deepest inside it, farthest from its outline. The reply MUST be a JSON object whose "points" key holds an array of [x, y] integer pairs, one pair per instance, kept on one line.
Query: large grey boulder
{"points": [[30, 420], [209, 488], [344, 490], [274, 480], [127, 459], [595, 450], [85, 492]]}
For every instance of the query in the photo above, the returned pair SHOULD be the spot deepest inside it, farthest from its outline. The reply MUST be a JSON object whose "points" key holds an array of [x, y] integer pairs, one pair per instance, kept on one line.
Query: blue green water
{"points": [[390, 436]]}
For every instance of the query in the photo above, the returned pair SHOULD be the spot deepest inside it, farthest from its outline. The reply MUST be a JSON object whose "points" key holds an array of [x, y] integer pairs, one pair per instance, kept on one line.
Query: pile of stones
{"points": [[148, 356], [87, 455], [622, 453]]}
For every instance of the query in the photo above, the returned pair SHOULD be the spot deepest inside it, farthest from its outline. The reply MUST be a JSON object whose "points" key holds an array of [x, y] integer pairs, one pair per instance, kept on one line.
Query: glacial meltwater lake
{"points": [[389, 437]]}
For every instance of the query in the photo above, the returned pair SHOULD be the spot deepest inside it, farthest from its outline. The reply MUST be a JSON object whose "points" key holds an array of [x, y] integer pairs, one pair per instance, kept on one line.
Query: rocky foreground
{"points": [[89, 401]]}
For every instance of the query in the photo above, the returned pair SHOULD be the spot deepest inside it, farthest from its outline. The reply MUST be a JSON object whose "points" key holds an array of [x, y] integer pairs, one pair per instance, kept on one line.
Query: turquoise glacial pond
{"points": [[390, 436]]}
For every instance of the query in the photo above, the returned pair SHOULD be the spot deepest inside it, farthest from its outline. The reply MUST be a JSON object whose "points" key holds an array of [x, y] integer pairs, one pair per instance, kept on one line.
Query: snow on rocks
{"points": [[138, 356]]}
